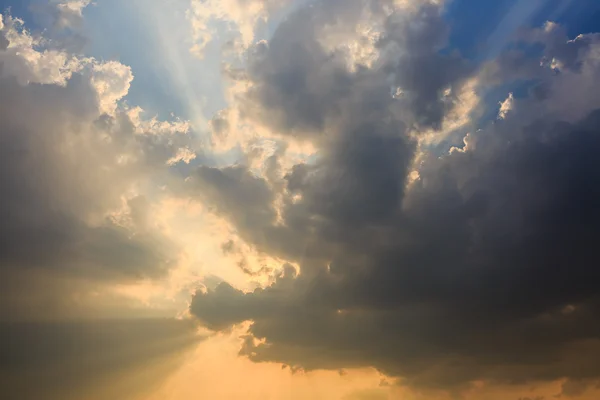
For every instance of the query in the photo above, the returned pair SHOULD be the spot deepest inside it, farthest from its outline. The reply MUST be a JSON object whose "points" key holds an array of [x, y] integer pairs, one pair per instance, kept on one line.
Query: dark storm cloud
{"points": [[483, 268], [296, 82], [300, 86], [422, 71], [236, 190], [493, 267]]}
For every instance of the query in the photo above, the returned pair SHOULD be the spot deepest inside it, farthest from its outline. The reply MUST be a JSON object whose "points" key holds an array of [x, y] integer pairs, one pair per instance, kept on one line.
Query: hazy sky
{"points": [[299, 199]]}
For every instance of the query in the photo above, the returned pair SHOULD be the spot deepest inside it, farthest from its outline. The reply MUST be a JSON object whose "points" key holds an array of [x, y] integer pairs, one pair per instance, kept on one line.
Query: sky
{"points": [[299, 199]]}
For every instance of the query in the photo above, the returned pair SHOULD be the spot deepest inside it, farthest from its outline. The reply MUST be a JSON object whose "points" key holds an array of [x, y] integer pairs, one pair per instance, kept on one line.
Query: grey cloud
{"points": [[4, 42], [248, 201], [557, 44], [229, 247], [296, 84], [421, 71], [360, 177], [362, 131], [236, 192], [220, 126], [301, 84], [564, 82], [60, 14], [64, 169], [481, 269], [62, 22], [561, 53], [49, 190], [512, 65]]}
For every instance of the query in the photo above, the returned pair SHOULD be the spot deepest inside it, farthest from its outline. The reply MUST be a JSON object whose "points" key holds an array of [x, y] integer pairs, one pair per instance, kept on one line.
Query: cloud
{"points": [[70, 12], [60, 16], [506, 106], [21, 59], [304, 79], [77, 211], [243, 15], [481, 269], [71, 155], [3, 40], [24, 60]]}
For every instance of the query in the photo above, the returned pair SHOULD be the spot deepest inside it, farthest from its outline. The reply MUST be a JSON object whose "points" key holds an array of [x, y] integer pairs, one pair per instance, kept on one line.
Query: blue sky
{"points": [[481, 26], [125, 32]]}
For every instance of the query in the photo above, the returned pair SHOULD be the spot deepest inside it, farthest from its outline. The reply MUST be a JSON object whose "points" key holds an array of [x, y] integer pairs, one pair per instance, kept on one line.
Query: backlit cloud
{"points": [[354, 199], [462, 277]]}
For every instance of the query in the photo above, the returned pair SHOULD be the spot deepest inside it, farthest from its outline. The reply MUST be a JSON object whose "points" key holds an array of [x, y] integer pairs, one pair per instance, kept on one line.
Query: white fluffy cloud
{"points": [[70, 11], [506, 106], [30, 61], [112, 81], [24, 59], [243, 15]]}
